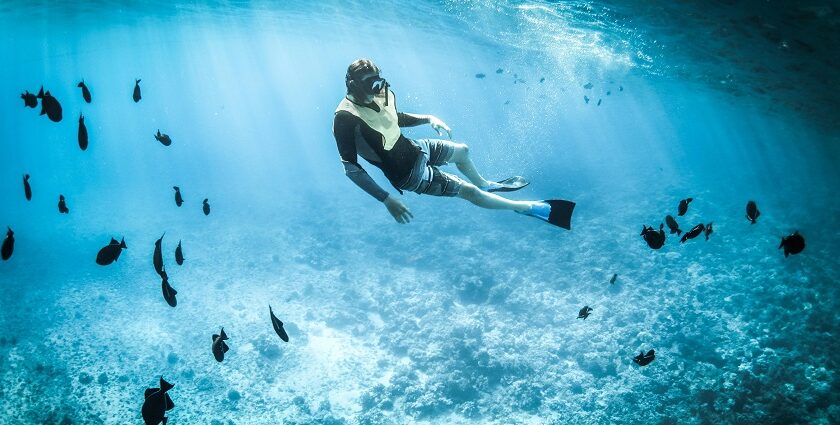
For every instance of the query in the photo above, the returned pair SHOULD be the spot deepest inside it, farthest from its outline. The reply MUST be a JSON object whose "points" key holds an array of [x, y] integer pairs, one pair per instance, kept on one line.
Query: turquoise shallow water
{"points": [[464, 315]]}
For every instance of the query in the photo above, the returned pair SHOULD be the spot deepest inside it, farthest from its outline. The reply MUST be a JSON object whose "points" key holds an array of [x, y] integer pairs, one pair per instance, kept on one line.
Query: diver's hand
{"points": [[398, 210], [440, 126]]}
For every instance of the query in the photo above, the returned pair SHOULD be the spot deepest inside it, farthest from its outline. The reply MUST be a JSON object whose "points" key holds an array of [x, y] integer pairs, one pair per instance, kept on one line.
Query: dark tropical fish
{"points": [[85, 91], [49, 106], [584, 312], [168, 291], [206, 207], [542, 80], [615, 276], [672, 224], [599, 102], [29, 99], [499, 71], [644, 359], [586, 99], [278, 326], [588, 86], [655, 239], [83, 134], [219, 346], [163, 138], [752, 212], [178, 199], [683, 207], [136, 95], [8, 244], [157, 257], [708, 230], [111, 252], [157, 403], [62, 206], [793, 243], [480, 75], [27, 189], [693, 233], [179, 255]]}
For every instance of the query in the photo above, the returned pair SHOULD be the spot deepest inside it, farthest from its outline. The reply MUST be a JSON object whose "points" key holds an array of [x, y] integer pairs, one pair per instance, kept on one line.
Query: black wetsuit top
{"points": [[396, 163]]}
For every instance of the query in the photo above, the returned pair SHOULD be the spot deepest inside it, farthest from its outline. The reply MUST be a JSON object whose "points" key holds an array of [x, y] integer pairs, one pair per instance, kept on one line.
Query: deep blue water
{"points": [[464, 315]]}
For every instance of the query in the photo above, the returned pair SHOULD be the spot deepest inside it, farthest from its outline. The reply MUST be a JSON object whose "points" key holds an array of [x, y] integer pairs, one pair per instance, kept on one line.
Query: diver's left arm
{"points": [[412, 120]]}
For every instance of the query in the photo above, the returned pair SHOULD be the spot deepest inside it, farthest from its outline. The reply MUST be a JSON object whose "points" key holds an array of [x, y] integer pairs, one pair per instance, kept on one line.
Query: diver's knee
{"points": [[462, 152], [469, 192]]}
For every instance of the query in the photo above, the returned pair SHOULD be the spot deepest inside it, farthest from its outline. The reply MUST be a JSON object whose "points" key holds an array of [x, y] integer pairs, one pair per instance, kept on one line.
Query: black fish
{"points": [[163, 138], [85, 91], [111, 252], [599, 102], [479, 75], [8, 244], [62, 206], [157, 403], [27, 189], [168, 291], [179, 255], [752, 212], [586, 98], [49, 106], [178, 199], [644, 359], [499, 71], [206, 207], [655, 239], [584, 312], [157, 257], [793, 243], [136, 95], [278, 326], [693, 233], [29, 99], [83, 134], [542, 79], [219, 346], [708, 230], [588, 86], [672, 224], [615, 276], [683, 207]]}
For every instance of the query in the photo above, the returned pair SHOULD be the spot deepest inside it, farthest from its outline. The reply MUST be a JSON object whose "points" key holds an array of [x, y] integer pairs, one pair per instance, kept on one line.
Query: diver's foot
{"points": [[509, 184], [554, 211]]}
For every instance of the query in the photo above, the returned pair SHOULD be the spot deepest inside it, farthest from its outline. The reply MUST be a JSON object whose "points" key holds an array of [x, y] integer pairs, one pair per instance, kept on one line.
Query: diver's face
{"points": [[371, 84]]}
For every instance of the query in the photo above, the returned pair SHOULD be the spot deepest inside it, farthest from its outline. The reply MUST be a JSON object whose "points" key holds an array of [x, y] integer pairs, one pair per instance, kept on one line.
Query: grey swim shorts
{"points": [[425, 178]]}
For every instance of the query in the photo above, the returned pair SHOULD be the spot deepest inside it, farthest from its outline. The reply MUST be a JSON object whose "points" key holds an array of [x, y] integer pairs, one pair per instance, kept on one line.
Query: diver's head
{"points": [[363, 80]]}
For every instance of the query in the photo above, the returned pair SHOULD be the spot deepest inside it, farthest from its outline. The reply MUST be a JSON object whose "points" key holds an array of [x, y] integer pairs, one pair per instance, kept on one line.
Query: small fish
{"points": [[278, 326], [519, 80], [507, 102], [693, 233], [752, 212], [499, 71], [542, 79], [609, 92], [179, 255], [62, 206], [49, 105], [29, 99], [85, 91], [156, 403], [584, 312], [178, 199], [219, 346], [683, 207], [157, 257], [615, 276], [8, 244], [655, 239], [206, 207], [83, 134], [708, 230], [111, 252], [588, 86], [27, 189], [480, 75], [168, 291], [793, 243], [136, 95], [672, 224], [163, 138], [586, 99], [599, 102], [620, 88], [644, 359]]}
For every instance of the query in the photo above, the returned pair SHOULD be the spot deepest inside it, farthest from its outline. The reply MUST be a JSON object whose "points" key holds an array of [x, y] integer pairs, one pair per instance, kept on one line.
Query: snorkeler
{"points": [[367, 124]]}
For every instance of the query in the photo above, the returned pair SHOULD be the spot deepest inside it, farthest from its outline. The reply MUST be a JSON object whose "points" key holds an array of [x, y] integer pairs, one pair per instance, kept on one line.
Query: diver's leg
{"points": [[492, 201], [462, 160]]}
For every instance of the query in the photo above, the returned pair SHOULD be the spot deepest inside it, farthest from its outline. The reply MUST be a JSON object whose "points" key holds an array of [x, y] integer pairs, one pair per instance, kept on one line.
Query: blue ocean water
{"points": [[464, 315]]}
